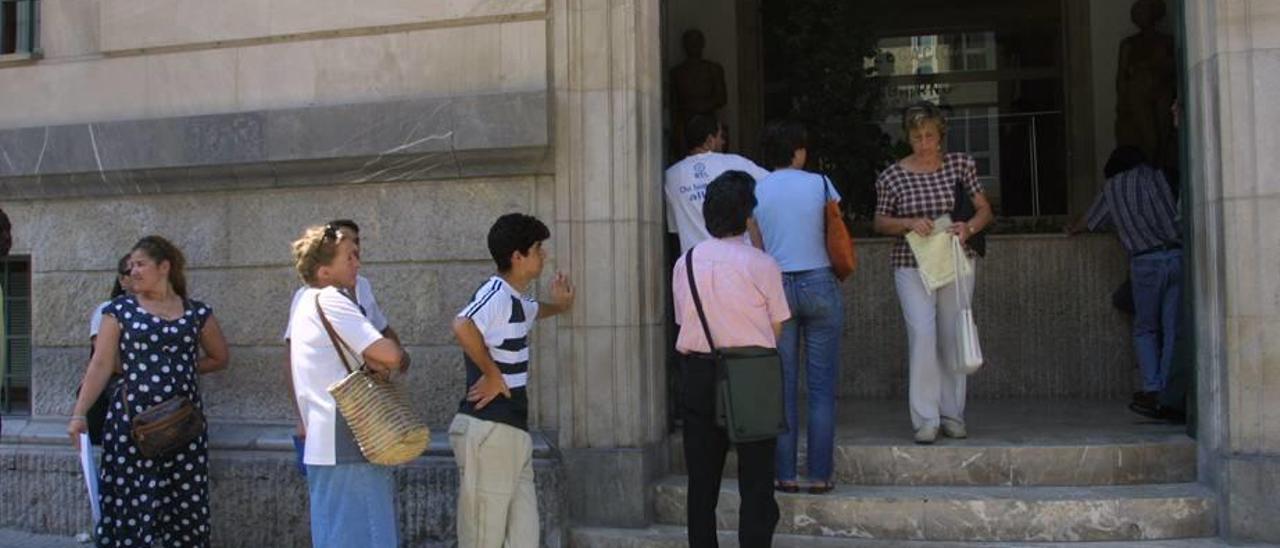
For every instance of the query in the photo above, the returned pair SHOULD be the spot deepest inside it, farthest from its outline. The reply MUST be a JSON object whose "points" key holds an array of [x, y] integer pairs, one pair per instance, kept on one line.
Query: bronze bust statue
{"points": [[1146, 83], [697, 87]]}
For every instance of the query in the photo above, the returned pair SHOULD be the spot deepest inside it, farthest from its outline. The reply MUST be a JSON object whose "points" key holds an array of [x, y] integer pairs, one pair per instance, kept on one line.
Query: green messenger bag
{"points": [[748, 383]]}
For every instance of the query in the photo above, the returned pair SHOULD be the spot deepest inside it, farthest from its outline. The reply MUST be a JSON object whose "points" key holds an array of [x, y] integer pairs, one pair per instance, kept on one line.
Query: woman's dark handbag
{"points": [[963, 211], [748, 383], [166, 426]]}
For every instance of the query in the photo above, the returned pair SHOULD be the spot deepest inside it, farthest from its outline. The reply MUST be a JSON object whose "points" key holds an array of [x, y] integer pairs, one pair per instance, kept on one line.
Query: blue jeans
{"points": [[1157, 293], [817, 317], [352, 505]]}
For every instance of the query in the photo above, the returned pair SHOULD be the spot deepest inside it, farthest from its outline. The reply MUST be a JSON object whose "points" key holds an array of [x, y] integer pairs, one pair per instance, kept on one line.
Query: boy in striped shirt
{"points": [[491, 443]]}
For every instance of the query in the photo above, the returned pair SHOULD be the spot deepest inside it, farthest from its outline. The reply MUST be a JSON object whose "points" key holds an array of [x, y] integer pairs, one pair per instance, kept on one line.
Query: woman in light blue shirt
{"points": [[790, 219]]}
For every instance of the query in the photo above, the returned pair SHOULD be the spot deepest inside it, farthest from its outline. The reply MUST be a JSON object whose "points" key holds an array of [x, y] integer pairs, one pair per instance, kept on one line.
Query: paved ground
{"points": [[10, 538]]}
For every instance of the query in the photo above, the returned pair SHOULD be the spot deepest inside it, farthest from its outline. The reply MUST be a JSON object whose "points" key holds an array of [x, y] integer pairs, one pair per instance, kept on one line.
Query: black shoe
{"points": [[1146, 404], [1148, 412]]}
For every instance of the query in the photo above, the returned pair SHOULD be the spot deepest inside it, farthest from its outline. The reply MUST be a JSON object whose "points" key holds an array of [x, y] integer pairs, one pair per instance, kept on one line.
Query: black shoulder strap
{"points": [[697, 301]]}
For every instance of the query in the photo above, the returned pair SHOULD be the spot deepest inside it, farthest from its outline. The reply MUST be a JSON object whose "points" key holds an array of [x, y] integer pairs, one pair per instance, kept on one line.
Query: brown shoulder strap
{"points": [[338, 344]]}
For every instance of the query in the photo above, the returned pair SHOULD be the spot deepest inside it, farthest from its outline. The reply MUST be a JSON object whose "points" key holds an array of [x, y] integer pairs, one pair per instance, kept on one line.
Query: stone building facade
{"points": [[228, 126]]}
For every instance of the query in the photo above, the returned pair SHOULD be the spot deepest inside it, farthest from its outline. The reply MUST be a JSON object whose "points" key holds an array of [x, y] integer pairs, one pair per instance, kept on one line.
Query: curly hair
{"points": [[161, 250], [316, 248]]}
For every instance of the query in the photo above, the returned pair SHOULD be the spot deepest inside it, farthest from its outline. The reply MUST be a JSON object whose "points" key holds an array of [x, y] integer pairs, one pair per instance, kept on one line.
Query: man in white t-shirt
{"points": [[686, 182], [364, 299]]}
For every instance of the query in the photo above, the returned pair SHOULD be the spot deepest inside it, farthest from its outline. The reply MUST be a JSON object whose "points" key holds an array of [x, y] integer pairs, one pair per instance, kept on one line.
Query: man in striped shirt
{"points": [[489, 435], [1137, 201]]}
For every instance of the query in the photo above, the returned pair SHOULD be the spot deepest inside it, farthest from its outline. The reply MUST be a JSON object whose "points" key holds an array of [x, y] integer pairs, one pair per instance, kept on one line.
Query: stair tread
{"points": [[672, 535], [1029, 493]]}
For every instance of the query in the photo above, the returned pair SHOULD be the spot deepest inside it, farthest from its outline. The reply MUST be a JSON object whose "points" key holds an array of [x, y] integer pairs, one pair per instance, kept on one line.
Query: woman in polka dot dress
{"points": [[157, 333]]}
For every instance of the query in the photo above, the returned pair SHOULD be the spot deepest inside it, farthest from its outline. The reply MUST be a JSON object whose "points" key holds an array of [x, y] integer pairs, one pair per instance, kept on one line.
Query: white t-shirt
{"points": [[686, 187], [315, 366], [364, 296], [95, 321]]}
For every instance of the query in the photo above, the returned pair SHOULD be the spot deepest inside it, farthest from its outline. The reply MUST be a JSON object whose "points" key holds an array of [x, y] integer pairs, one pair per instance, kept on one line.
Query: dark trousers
{"points": [[705, 447]]}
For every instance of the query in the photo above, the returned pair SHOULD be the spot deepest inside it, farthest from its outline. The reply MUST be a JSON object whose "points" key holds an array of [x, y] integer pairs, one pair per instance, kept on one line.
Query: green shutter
{"points": [[15, 391]]}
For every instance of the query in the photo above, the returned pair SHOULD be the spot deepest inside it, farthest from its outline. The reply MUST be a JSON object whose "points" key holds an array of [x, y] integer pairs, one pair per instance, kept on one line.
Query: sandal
{"points": [[822, 488], [786, 486]]}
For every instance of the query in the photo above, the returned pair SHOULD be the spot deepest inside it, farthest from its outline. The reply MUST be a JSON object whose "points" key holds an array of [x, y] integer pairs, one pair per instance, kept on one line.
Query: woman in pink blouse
{"points": [[741, 292]]}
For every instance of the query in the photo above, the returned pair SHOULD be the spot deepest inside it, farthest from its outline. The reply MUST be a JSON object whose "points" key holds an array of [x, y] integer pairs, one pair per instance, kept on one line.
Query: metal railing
{"points": [[1008, 127]]}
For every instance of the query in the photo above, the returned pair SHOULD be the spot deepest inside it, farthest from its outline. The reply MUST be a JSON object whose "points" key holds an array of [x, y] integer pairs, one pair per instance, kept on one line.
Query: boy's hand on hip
{"points": [[486, 389]]}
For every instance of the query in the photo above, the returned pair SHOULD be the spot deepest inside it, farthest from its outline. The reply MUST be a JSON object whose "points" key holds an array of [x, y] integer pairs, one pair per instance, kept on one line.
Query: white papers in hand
{"points": [[90, 468]]}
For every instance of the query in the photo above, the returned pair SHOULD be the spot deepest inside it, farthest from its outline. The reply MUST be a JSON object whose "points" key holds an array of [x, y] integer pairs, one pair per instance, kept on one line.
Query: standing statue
{"points": [[697, 88], [1146, 84]]}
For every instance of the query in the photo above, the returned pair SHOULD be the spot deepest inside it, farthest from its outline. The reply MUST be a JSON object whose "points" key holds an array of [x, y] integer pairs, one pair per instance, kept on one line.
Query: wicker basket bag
{"points": [[385, 427]]}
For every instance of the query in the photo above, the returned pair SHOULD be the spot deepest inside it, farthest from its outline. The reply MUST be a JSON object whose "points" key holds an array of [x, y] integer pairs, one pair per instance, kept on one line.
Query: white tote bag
{"points": [[970, 358]]}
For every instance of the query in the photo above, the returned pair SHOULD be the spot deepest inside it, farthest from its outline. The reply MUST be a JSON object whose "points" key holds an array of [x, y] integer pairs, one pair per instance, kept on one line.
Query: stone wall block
{"points": [[523, 55], [1253, 347], [80, 19], [252, 305], [252, 387], [1249, 484], [426, 221], [104, 230], [1255, 255], [435, 222], [191, 83], [62, 305], [598, 290], [125, 25], [55, 375], [1042, 284]]}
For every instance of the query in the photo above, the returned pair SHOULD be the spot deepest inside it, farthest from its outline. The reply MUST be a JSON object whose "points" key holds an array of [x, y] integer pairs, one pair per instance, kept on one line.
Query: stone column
{"points": [[609, 385], [1233, 49]]}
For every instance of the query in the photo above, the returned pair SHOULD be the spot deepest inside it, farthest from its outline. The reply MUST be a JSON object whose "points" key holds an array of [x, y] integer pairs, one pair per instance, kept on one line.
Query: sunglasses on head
{"points": [[331, 232]]}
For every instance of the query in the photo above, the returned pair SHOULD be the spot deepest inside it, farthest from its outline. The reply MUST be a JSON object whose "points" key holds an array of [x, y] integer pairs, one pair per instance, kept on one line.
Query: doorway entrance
{"points": [[1031, 92]]}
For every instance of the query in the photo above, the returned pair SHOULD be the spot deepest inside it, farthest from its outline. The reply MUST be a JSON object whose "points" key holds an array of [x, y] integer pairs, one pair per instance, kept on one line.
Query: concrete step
{"points": [[674, 537], [1011, 443], [1169, 459], [986, 514]]}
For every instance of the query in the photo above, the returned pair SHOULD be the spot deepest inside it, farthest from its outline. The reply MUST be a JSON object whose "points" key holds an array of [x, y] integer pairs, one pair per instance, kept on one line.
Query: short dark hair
{"points": [[780, 141], [730, 199], [6, 234], [1122, 159], [345, 223], [514, 232], [699, 128], [122, 269]]}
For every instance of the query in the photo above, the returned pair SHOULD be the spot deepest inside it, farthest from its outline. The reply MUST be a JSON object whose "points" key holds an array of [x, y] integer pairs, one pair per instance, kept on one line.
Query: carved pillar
{"points": [[609, 407], [1231, 119]]}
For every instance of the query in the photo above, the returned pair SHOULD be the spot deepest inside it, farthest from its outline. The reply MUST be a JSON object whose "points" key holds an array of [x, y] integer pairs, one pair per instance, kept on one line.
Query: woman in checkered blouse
{"points": [[909, 196]]}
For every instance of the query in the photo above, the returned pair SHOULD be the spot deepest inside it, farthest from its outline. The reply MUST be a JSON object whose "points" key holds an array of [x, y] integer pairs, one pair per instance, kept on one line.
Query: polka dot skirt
{"points": [[163, 499]]}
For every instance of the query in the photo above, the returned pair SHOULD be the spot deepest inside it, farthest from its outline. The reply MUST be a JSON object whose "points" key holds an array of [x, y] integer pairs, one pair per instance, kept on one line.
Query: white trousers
{"points": [[936, 389]]}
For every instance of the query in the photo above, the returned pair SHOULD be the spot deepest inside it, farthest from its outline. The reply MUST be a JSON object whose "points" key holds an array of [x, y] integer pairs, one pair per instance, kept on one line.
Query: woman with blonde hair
{"points": [[156, 334], [352, 500], [910, 195]]}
